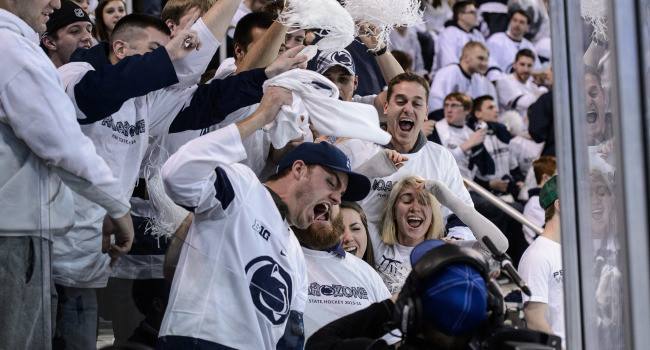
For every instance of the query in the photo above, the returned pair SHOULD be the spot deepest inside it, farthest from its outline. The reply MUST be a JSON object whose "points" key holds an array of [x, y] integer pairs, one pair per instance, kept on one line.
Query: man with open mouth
{"points": [[339, 282], [406, 110], [241, 274]]}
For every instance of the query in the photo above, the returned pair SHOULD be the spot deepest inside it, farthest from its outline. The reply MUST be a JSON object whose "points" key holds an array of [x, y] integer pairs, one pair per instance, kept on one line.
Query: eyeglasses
{"points": [[452, 106]]}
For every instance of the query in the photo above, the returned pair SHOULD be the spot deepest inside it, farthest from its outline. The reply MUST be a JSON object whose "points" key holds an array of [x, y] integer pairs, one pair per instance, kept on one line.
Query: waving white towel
{"points": [[316, 98]]}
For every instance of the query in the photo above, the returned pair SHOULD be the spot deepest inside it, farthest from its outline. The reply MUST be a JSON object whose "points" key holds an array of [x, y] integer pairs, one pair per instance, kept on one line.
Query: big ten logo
{"points": [[259, 228], [381, 185]]}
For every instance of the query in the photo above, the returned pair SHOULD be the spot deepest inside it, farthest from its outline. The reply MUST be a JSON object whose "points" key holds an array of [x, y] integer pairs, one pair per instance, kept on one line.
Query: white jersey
{"points": [[503, 51], [432, 162], [500, 153], [518, 96], [450, 45], [338, 286], [452, 137], [453, 78], [525, 151], [393, 263], [241, 270], [541, 268]]}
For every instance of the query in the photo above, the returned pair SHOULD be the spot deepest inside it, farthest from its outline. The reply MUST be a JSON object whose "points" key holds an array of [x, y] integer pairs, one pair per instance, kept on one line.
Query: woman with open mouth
{"points": [[355, 235], [410, 216]]}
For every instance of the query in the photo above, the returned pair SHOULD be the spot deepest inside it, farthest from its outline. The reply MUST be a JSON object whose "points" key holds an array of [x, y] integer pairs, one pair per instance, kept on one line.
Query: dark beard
{"points": [[321, 236]]}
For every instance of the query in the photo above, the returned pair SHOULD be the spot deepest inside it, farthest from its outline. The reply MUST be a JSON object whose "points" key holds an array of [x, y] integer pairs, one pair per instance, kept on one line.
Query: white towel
{"points": [[316, 98]]}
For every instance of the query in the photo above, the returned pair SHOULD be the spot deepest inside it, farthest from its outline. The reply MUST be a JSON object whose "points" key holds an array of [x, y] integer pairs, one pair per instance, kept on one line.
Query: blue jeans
{"points": [[77, 322]]}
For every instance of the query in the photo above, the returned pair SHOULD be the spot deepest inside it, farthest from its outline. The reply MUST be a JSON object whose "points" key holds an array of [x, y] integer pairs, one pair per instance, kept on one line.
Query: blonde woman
{"points": [[410, 216]]}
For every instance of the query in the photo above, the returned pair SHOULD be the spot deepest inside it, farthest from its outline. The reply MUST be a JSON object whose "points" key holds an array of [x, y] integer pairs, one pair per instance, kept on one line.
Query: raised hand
{"points": [[184, 41], [397, 158], [287, 61]]}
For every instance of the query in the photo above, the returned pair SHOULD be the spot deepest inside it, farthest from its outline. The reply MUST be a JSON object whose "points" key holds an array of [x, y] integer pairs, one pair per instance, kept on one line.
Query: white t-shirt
{"points": [[338, 286], [503, 51], [541, 268], [452, 78], [393, 263], [432, 161], [241, 270]]}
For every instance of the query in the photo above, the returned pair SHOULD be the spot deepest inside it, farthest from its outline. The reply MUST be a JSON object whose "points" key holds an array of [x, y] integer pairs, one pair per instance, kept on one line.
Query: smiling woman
{"points": [[410, 216]]}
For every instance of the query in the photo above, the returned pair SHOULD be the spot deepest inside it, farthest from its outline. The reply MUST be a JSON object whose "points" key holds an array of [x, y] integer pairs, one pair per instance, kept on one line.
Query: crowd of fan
{"points": [[465, 94]]}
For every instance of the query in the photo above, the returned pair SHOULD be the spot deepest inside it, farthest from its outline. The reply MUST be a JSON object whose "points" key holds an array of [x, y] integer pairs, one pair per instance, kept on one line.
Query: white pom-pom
{"points": [[513, 122], [383, 15], [594, 11], [168, 216], [335, 24]]}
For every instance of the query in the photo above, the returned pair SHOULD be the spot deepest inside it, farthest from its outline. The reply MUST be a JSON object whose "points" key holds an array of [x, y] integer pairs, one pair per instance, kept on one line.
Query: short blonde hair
{"points": [[387, 223], [471, 46]]}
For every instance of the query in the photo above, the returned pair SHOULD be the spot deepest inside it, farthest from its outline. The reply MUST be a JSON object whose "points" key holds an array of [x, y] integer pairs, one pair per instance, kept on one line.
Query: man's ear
{"points": [[119, 48], [239, 52], [49, 43], [298, 169], [556, 203], [172, 26], [386, 107], [356, 82]]}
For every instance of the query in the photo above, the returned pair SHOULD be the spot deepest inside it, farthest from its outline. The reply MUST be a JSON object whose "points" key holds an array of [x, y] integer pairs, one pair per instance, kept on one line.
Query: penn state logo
{"points": [[79, 13], [270, 288]]}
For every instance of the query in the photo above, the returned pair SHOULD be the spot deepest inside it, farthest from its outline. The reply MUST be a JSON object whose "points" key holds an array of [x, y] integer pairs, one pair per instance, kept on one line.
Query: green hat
{"points": [[548, 194]]}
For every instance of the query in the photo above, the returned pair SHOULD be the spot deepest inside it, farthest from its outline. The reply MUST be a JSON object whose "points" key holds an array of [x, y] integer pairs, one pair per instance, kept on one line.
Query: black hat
{"points": [[68, 13]]}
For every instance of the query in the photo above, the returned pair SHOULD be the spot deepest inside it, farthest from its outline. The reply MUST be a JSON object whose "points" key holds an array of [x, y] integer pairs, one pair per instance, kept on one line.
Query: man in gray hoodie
{"points": [[40, 145]]}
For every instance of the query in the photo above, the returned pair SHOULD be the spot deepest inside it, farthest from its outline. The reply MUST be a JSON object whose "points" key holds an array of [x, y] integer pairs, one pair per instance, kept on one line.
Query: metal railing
{"points": [[503, 206]]}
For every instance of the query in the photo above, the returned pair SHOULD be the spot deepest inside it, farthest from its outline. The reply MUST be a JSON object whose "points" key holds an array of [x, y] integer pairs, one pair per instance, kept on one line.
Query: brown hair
{"points": [[461, 97], [549, 212], [175, 9], [369, 255], [544, 165], [99, 29], [407, 77]]}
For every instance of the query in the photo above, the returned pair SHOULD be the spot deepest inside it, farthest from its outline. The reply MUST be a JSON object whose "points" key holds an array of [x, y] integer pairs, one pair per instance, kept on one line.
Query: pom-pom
{"points": [[168, 216], [383, 15], [594, 11], [333, 21], [512, 121]]}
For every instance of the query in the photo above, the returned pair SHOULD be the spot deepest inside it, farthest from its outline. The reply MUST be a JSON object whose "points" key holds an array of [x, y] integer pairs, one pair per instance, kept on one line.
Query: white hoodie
{"points": [[40, 138]]}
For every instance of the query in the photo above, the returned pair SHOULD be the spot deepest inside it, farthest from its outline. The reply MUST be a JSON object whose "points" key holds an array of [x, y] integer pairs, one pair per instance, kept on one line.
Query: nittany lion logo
{"points": [[270, 288], [79, 13]]}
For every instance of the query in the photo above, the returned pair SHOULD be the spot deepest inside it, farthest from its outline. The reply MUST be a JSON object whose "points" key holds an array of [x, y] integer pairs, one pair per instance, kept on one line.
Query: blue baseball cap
{"points": [[327, 60], [454, 301], [329, 156]]}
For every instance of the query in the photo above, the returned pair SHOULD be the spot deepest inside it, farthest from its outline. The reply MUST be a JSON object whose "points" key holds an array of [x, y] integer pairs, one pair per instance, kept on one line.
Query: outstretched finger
{"points": [[192, 20]]}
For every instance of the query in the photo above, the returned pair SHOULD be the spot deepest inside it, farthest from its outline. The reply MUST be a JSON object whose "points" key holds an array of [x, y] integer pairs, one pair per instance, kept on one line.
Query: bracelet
{"points": [[380, 52]]}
